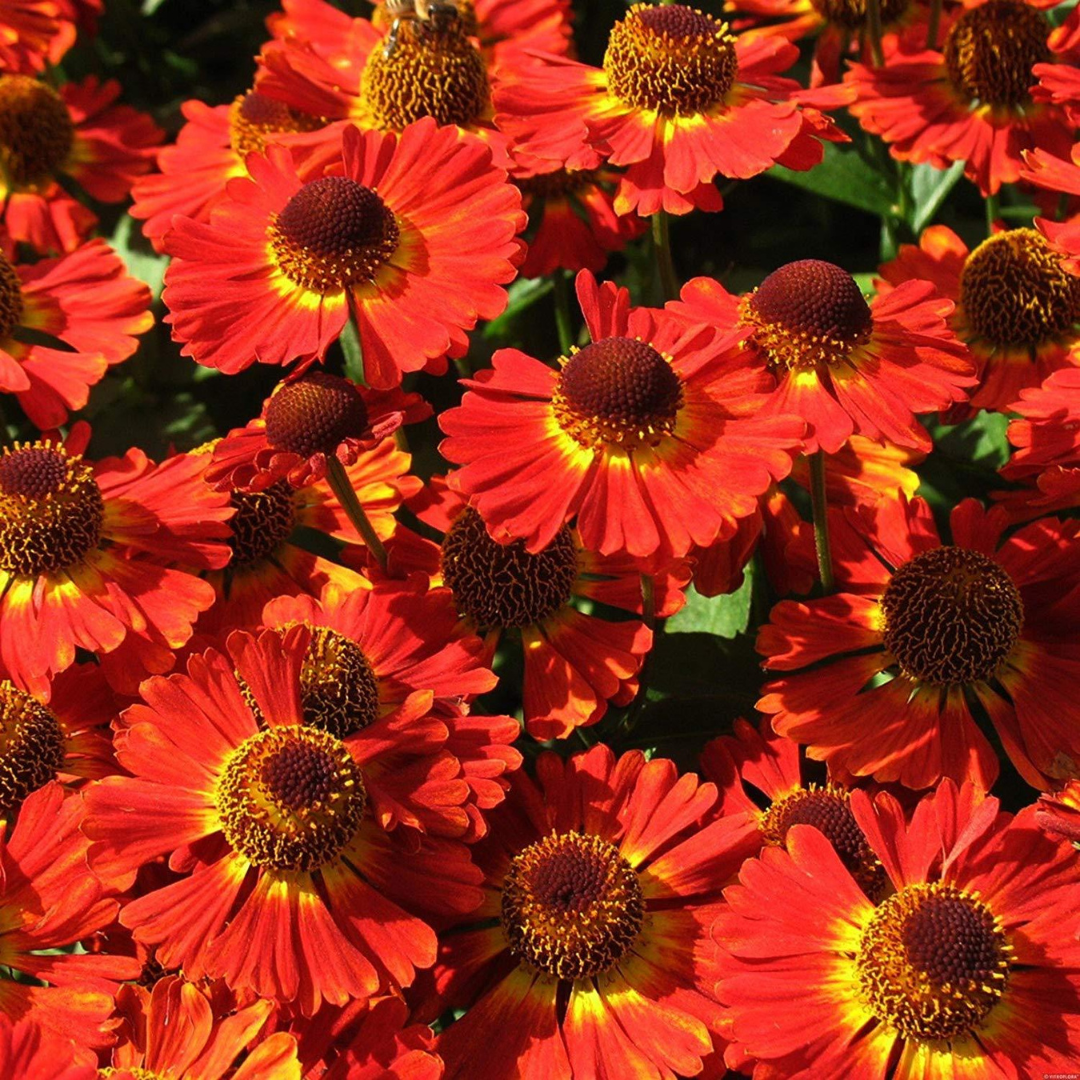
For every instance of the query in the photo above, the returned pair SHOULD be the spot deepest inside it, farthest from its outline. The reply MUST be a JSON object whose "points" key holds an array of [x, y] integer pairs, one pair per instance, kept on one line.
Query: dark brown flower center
{"points": [[332, 234], [11, 297], [51, 510], [1014, 291], [261, 524], [618, 391], [503, 585], [255, 118], [828, 810], [434, 70], [36, 132], [31, 747], [851, 14], [338, 687], [314, 414], [933, 962], [559, 183], [671, 59], [290, 798], [991, 49], [952, 616], [572, 906]]}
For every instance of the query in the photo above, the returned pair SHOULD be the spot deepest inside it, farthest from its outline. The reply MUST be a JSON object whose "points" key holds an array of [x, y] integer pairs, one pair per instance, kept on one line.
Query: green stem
{"points": [[820, 504], [339, 482], [661, 231], [648, 615], [873, 22], [991, 213], [932, 26], [563, 320]]}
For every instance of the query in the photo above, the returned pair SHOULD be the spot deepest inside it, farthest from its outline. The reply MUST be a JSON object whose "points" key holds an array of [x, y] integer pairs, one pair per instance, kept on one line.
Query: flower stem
{"points": [[873, 23], [648, 616], [932, 25], [661, 231], [339, 482], [991, 213], [820, 504], [563, 320]]}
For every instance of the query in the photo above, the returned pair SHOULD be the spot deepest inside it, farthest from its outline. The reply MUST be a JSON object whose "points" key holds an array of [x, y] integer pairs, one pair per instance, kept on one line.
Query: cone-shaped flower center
{"points": [[51, 510], [933, 962], [807, 313], [36, 132], [828, 810], [618, 391], [572, 906], [560, 183], [314, 414], [1014, 291], [338, 687], [951, 616], [502, 585], [433, 70], [991, 49], [290, 798], [332, 234], [254, 117], [466, 13], [672, 59], [851, 14], [11, 297], [262, 522], [31, 747]]}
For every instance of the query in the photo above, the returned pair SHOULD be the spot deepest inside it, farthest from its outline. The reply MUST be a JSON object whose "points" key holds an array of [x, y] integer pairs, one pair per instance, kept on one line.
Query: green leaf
{"points": [[141, 260], [845, 177], [722, 616], [354, 354], [928, 189], [522, 295]]}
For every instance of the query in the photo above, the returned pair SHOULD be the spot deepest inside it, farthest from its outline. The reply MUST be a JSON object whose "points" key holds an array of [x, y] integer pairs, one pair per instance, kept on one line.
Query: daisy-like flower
{"points": [[291, 887], [922, 637], [87, 554], [210, 150], [304, 423], [751, 766], [1054, 174], [28, 30], [845, 366], [1059, 813], [1046, 458], [572, 219], [589, 955], [87, 301], [49, 902], [214, 1036], [646, 436], [75, 133], [266, 559], [416, 239], [66, 736], [28, 1052], [679, 100], [969, 968], [575, 661], [1017, 306], [971, 101]]}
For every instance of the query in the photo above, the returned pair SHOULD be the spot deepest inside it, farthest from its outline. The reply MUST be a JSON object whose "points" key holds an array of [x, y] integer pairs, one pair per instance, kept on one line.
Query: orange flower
{"points": [[77, 133], [589, 956], [970, 102], [846, 366], [1017, 307], [885, 674], [1059, 814], [28, 30], [28, 1052], [304, 862], [275, 273], [84, 299], [86, 557], [645, 436], [49, 902], [965, 969], [679, 101]]}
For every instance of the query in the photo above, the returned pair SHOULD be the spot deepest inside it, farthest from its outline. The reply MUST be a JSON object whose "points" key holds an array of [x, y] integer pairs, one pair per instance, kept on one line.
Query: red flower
{"points": [[679, 101], [846, 366], [644, 436], [1016, 305], [920, 632], [291, 886], [85, 300], [77, 133], [1059, 814], [50, 901], [28, 29], [86, 557], [588, 956], [418, 263], [972, 101], [303, 423], [964, 970]]}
